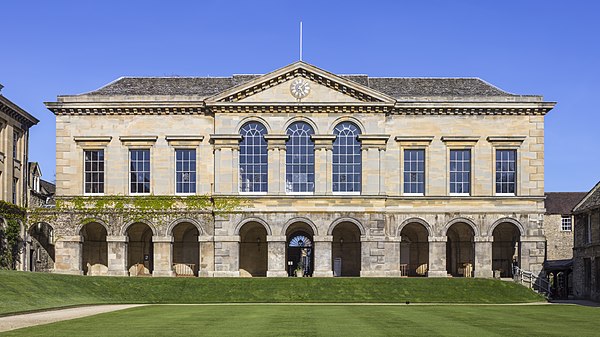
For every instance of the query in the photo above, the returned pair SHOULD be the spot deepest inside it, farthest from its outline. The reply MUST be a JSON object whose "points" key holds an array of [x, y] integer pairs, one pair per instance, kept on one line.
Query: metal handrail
{"points": [[532, 281]]}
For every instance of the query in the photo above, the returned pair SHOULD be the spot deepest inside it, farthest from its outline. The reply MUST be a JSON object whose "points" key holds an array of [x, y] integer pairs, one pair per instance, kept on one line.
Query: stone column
{"points": [[163, 256], [68, 255], [323, 267], [277, 265], [227, 254], [226, 147], [207, 256], [323, 166], [372, 177], [437, 256], [276, 160], [483, 256], [117, 255]]}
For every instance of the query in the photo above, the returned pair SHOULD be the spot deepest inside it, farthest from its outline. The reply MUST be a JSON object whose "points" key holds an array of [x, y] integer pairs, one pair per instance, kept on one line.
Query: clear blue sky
{"points": [[552, 48]]}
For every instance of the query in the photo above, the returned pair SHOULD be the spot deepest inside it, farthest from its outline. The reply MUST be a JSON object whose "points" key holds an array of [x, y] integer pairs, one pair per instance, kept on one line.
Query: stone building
{"points": [[586, 252], [14, 144], [558, 223], [558, 227], [14, 147], [328, 174]]}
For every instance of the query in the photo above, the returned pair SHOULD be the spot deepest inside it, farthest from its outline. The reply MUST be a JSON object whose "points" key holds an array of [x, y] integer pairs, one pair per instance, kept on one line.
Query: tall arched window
{"points": [[347, 159], [300, 159], [253, 158]]}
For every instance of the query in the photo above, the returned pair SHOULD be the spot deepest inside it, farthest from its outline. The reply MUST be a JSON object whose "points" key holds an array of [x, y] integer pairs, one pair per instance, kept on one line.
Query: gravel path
{"points": [[44, 317]]}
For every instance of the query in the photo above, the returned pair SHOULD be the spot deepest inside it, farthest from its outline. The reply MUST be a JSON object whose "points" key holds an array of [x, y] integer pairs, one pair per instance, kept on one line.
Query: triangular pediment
{"points": [[324, 87]]}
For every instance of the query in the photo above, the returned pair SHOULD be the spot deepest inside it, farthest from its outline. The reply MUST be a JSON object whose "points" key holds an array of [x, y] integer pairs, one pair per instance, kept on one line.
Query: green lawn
{"points": [[336, 320], [22, 291]]}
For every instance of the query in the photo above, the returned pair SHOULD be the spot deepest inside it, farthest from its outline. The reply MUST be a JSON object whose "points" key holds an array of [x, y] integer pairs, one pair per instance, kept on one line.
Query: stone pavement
{"points": [[44, 317]]}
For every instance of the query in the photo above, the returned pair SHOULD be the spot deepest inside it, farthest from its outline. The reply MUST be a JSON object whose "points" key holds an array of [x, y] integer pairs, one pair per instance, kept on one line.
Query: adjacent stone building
{"points": [[305, 172], [586, 252], [558, 228], [558, 223], [14, 146]]}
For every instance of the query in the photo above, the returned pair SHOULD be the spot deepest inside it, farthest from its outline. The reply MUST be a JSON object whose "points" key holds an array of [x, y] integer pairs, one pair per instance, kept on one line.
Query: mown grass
{"points": [[337, 320], [23, 291]]}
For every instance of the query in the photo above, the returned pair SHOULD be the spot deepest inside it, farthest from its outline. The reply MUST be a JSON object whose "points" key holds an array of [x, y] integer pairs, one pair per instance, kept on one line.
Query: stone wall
{"points": [[560, 243]]}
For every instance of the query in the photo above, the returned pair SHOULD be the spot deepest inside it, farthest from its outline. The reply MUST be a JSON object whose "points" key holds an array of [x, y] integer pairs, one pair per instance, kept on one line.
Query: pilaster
{"points": [[323, 166], [276, 161], [373, 147], [68, 255]]}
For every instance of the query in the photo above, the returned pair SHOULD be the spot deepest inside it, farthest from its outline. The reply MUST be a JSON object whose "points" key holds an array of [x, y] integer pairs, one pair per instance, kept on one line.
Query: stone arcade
{"points": [[344, 175]]}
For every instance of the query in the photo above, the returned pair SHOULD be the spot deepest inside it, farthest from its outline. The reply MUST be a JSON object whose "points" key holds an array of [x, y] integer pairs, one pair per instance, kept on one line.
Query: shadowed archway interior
{"points": [[414, 250], [94, 250], [300, 254], [42, 247], [460, 250], [506, 248], [140, 250], [346, 250], [253, 250], [186, 249]]}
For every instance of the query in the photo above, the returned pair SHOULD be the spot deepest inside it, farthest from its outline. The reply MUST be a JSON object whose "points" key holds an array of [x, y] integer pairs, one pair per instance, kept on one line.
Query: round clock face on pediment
{"points": [[300, 88]]}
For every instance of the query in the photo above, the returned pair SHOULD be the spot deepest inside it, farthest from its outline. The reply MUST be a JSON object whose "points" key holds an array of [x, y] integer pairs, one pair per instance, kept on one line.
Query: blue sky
{"points": [[550, 48]]}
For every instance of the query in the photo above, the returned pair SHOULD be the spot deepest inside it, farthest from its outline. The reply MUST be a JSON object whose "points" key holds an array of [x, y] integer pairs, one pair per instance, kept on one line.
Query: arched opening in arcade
{"points": [[506, 249], [460, 250], [346, 250], [186, 249], [94, 250], [140, 250], [41, 254], [300, 255], [253, 250], [414, 250]]}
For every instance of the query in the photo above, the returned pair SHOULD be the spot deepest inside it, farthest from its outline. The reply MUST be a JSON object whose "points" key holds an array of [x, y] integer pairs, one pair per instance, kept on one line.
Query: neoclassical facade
{"points": [[326, 175]]}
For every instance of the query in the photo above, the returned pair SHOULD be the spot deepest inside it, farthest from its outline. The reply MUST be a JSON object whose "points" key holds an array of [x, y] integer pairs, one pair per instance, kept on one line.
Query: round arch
{"points": [[509, 220], [307, 120], [464, 220], [361, 228], [145, 222], [90, 220], [35, 223], [250, 119], [181, 220], [302, 220], [342, 119], [414, 220], [257, 220]]}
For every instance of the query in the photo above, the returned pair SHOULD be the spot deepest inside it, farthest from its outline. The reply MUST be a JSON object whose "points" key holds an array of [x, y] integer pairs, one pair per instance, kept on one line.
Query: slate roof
{"points": [[398, 87], [48, 186], [591, 199], [562, 202]]}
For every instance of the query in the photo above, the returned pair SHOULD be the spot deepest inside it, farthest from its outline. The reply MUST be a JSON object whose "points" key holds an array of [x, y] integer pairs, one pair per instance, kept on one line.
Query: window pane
{"points": [[253, 158], [414, 171], [185, 169], [506, 171], [300, 158], [460, 171], [93, 171]]}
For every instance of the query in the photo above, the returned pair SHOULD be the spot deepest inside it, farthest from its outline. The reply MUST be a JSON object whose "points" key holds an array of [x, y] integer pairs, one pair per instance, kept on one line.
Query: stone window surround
{"points": [[507, 143], [184, 142], [91, 143], [460, 143], [414, 143], [139, 143]]}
